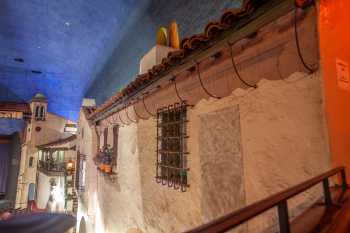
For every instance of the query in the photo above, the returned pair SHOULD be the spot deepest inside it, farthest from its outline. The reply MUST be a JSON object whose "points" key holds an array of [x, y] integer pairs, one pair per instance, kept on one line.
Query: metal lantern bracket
{"points": [[236, 69], [120, 119], [306, 66], [114, 120], [201, 82], [137, 114], [109, 121], [144, 104], [127, 115], [173, 80]]}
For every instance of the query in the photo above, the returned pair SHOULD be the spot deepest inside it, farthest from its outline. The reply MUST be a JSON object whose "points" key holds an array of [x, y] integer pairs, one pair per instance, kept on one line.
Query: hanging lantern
{"points": [[70, 165]]}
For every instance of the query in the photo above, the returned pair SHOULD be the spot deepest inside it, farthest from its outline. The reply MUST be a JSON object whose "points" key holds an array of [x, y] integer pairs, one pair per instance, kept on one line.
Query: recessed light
{"points": [[67, 24]]}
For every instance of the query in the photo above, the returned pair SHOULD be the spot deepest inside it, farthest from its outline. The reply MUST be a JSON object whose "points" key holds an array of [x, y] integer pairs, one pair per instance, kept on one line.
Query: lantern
{"points": [[70, 165]]}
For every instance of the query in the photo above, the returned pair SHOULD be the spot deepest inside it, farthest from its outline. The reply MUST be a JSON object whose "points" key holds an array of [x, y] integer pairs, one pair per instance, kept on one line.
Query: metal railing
{"points": [[236, 218], [51, 166]]}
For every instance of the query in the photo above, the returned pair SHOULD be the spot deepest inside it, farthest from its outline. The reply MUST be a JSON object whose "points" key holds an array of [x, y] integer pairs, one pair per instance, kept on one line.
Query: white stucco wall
{"points": [[264, 140]]}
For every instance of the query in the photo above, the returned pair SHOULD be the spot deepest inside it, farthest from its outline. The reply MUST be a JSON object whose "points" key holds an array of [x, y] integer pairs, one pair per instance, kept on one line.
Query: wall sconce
{"points": [[70, 165]]}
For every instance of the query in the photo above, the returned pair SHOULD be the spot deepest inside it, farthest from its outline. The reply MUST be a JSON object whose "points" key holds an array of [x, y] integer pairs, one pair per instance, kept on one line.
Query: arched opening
{"points": [[82, 225], [42, 112], [31, 192], [37, 109]]}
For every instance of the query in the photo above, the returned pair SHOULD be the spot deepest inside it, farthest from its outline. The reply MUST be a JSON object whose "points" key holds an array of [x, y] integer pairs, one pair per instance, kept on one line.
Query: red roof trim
{"points": [[15, 107]]}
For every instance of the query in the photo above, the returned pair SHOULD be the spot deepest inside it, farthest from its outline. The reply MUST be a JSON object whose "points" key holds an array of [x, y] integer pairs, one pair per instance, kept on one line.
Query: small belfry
{"points": [[39, 107]]}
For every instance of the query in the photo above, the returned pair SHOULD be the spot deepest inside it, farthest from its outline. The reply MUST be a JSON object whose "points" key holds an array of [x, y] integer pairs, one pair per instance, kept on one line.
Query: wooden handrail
{"points": [[238, 217]]}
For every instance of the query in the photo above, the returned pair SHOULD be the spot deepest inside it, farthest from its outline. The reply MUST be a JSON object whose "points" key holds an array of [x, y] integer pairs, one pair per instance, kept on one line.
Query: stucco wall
{"points": [[246, 146]]}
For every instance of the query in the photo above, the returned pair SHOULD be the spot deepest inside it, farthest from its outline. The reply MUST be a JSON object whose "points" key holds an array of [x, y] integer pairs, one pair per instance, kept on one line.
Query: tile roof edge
{"points": [[228, 20], [58, 141]]}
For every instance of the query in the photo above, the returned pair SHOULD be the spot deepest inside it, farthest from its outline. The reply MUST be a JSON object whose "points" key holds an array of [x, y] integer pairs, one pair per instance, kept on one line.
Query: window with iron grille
{"points": [[171, 146]]}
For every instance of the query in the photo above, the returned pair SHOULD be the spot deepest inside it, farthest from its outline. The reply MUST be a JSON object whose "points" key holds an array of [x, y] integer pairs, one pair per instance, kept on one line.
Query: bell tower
{"points": [[38, 106]]}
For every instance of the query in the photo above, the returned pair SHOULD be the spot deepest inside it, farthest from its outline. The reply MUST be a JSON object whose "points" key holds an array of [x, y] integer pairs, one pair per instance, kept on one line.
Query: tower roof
{"points": [[39, 97]]}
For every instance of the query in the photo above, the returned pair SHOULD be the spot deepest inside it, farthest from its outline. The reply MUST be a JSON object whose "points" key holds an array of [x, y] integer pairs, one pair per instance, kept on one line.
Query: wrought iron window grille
{"points": [[171, 165]]}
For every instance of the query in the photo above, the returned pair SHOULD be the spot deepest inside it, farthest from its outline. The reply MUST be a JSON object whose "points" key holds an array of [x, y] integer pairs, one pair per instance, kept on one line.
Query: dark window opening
{"points": [[171, 146], [105, 138], [31, 161], [40, 113], [37, 112], [115, 146]]}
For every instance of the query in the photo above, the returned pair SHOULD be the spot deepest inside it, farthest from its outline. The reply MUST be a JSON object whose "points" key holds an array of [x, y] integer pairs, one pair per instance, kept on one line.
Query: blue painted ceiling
{"points": [[85, 47]]}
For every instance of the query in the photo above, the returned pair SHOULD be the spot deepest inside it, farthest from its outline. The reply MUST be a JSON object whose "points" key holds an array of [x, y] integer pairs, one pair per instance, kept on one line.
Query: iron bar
{"points": [[343, 178], [173, 80], [138, 115], [144, 104], [307, 67], [327, 193], [201, 82], [236, 69], [120, 119], [127, 115], [171, 170], [283, 217]]}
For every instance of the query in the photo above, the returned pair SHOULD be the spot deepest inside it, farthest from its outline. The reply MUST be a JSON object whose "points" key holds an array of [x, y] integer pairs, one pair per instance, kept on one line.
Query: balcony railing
{"points": [[51, 166]]}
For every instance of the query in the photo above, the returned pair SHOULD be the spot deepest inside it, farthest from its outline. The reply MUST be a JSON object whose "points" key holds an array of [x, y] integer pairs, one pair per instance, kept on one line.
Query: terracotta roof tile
{"points": [[15, 106], [227, 20], [58, 142]]}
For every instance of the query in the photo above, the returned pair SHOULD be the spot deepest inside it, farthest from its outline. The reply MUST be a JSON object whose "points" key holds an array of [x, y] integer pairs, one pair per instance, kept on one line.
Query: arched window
{"points": [[42, 113], [37, 109]]}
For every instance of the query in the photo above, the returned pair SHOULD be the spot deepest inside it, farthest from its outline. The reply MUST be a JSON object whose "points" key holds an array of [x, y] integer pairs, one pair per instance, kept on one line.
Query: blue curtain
{"points": [[4, 165], [37, 223]]}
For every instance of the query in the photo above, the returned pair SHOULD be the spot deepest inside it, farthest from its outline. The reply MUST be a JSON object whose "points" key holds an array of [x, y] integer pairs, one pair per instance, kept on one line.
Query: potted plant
{"points": [[107, 160]]}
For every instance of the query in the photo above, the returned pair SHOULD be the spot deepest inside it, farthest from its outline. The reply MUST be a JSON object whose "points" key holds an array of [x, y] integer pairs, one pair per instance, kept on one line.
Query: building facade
{"points": [[44, 127], [227, 130]]}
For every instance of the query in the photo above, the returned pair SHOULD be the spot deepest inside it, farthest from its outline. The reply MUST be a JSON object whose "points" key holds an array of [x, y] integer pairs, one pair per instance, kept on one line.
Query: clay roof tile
{"points": [[227, 20]]}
